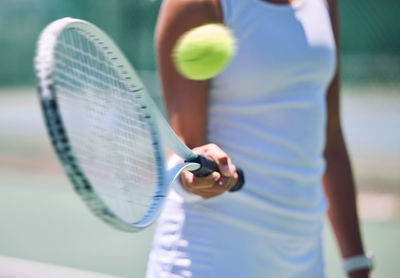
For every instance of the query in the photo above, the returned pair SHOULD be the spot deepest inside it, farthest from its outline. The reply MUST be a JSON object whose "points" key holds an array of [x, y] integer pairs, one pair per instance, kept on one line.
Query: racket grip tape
{"points": [[208, 166]]}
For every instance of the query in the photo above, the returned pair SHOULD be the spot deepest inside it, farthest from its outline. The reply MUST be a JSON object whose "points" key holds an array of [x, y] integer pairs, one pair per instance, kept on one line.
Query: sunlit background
{"points": [[41, 218]]}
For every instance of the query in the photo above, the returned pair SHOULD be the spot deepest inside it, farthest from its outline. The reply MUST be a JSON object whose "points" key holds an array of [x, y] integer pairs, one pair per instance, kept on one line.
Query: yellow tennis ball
{"points": [[204, 51]]}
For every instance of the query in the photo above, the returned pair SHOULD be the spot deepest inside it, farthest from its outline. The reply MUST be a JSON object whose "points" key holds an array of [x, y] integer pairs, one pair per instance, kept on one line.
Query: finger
{"points": [[207, 181], [221, 184], [224, 166], [216, 154], [229, 182], [223, 161], [191, 182]]}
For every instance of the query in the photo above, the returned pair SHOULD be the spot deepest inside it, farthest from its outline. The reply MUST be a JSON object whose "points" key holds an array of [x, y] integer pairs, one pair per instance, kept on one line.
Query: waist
{"points": [[251, 212]]}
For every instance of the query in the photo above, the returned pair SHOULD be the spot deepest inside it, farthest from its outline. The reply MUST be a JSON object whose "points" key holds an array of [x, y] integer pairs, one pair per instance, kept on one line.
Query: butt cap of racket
{"points": [[240, 182]]}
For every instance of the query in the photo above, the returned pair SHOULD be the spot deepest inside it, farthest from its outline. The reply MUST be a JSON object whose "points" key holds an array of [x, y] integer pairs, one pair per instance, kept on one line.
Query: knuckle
{"points": [[212, 146], [223, 158], [198, 150]]}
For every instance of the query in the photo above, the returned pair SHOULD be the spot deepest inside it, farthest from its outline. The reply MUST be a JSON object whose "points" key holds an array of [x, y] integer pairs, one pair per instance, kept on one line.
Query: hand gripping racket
{"points": [[108, 134]]}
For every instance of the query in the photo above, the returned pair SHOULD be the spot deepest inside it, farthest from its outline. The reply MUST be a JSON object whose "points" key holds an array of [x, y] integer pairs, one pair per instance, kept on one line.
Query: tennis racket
{"points": [[108, 134]]}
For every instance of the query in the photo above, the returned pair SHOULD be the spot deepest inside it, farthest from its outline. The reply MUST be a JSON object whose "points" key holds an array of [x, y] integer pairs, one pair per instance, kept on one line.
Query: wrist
{"points": [[364, 273], [358, 263]]}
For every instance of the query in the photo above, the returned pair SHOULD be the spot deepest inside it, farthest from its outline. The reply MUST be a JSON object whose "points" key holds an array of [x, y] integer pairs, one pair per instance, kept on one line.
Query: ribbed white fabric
{"points": [[267, 111]]}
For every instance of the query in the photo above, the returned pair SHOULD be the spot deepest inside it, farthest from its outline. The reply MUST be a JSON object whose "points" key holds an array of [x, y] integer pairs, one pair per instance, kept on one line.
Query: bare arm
{"points": [[338, 178], [187, 100]]}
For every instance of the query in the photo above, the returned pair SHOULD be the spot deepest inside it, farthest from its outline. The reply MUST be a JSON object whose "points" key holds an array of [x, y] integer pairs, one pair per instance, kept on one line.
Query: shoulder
{"points": [[182, 15], [192, 8], [332, 5]]}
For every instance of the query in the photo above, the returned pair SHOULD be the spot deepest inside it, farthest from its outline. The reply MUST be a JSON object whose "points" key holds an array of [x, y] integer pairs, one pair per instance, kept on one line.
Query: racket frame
{"points": [[44, 64], [162, 134]]}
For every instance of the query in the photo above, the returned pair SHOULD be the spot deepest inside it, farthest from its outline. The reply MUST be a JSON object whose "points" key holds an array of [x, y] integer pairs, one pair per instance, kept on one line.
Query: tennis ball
{"points": [[204, 51]]}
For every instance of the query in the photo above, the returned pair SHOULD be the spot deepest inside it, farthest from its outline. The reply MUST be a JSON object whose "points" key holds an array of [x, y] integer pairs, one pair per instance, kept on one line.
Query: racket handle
{"points": [[208, 166]]}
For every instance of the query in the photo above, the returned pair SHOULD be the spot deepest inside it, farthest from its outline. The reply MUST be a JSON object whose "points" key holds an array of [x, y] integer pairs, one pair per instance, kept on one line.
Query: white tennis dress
{"points": [[268, 112]]}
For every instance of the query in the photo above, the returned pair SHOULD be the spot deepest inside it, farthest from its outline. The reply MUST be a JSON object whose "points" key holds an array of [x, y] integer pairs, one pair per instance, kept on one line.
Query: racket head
{"points": [[101, 124]]}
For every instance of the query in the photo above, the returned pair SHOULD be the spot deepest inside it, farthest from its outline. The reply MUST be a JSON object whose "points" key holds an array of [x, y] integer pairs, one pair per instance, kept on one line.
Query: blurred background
{"points": [[42, 219]]}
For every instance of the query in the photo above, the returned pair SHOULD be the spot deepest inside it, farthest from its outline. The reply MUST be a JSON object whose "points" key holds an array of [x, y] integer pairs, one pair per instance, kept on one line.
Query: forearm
{"points": [[338, 179], [340, 191], [339, 183]]}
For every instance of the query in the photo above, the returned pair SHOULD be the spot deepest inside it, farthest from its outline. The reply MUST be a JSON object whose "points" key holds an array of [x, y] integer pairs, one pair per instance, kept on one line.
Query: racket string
{"points": [[106, 126]]}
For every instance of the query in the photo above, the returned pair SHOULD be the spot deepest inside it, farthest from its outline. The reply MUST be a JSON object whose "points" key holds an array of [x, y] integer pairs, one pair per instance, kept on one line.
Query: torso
{"points": [[267, 111]]}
